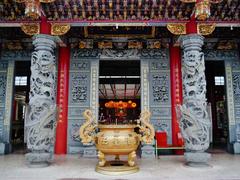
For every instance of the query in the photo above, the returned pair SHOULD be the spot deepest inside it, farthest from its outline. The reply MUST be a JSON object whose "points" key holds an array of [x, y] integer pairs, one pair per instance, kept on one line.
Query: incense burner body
{"points": [[116, 139]]}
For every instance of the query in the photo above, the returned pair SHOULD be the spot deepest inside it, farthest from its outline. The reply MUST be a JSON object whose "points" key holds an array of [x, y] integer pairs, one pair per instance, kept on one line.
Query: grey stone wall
{"points": [[79, 94], [159, 89]]}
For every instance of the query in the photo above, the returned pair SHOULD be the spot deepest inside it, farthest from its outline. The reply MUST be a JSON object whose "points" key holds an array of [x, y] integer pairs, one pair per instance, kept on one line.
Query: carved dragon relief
{"points": [[193, 116]]}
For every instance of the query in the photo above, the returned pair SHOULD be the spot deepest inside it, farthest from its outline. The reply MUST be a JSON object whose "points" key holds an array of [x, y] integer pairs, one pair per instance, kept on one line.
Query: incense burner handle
{"points": [[87, 131], [145, 127]]}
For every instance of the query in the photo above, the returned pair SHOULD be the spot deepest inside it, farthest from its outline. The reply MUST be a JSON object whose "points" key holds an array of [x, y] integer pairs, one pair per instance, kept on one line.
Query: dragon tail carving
{"points": [[146, 128], [87, 130]]}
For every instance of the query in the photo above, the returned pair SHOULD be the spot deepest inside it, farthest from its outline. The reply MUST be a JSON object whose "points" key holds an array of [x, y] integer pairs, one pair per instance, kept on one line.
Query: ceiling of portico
{"points": [[99, 10]]}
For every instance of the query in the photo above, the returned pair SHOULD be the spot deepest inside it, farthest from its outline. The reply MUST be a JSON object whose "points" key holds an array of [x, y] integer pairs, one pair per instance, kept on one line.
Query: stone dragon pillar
{"points": [[193, 116], [41, 114]]}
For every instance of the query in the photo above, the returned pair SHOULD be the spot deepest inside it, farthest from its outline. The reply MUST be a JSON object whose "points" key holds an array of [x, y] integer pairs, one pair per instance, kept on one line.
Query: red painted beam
{"points": [[176, 90], [62, 100]]}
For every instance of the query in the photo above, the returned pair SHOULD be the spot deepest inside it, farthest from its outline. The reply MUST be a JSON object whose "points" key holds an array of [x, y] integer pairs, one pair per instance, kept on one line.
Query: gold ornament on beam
{"points": [[31, 28], [177, 28], [58, 29], [202, 10], [205, 29], [47, 1]]}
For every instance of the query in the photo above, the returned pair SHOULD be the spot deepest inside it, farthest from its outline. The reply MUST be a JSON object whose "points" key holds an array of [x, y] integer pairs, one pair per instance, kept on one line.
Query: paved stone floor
{"points": [[223, 166]]}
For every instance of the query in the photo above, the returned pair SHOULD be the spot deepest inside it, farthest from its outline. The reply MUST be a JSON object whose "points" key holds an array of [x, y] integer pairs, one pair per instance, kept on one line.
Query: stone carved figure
{"points": [[41, 117], [193, 116]]}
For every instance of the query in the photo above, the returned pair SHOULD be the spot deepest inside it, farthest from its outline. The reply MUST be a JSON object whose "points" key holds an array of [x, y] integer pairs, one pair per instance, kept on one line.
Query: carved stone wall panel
{"points": [[160, 54], [161, 112], [1, 122], [223, 55], [3, 83], [144, 85], [82, 65], [156, 64], [236, 66], [16, 55], [164, 125], [84, 53], [79, 88], [76, 112], [3, 66], [160, 89], [236, 87], [119, 54], [73, 132]]}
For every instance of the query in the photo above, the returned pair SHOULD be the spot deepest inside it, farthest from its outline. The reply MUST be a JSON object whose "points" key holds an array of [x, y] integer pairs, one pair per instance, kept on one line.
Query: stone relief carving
{"points": [[159, 65], [20, 54], [235, 65], [236, 87], [41, 116], [154, 53], [79, 88], [120, 54], [238, 132], [220, 55], [80, 53], [3, 65], [194, 120], [3, 80], [160, 88], [80, 65]]}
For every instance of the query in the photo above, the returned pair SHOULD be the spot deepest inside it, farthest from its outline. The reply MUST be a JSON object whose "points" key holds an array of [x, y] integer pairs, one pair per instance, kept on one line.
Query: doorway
{"points": [[216, 97], [21, 99], [119, 91]]}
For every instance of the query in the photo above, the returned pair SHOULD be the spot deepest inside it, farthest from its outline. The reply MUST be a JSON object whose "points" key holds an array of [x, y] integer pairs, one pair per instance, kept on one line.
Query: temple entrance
{"points": [[119, 91], [21, 98], [216, 96]]}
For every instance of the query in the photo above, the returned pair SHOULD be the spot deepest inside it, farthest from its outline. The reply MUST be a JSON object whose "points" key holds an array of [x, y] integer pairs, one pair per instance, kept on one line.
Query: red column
{"points": [[191, 26], [62, 100], [176, 90], [45, 27]]}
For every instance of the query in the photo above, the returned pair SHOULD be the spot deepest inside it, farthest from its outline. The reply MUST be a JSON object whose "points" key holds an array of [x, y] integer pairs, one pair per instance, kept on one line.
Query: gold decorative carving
{"points": [[146, 128], [205, 29], [188, 1], [104, 45], [177, 28], [153, 44], [134, 45], [46, 1], [87, 130], [58, 29], [31, 28]]}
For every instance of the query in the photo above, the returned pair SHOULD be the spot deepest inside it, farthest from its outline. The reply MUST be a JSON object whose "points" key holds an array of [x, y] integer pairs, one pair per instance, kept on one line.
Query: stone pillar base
{"points": [[148, 151], [90, 152], [5, 148], [236, 147], [38, 160], [197, 159]]}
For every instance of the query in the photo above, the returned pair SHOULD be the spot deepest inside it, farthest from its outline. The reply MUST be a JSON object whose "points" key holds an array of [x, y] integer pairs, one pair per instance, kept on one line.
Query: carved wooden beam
{"points": [[58, 29], [205, 29], [31, 28], [177, 28]]}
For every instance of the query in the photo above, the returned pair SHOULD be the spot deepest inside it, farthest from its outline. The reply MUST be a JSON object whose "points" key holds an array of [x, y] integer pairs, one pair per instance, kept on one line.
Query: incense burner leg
{"points": [[101, 157], [131, 158]]}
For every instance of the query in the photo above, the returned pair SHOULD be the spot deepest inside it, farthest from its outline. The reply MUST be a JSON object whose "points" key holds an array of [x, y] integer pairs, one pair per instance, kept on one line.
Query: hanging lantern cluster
{"points": [[120, 104], [33, 7], [202, 7], [202, 10]]}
